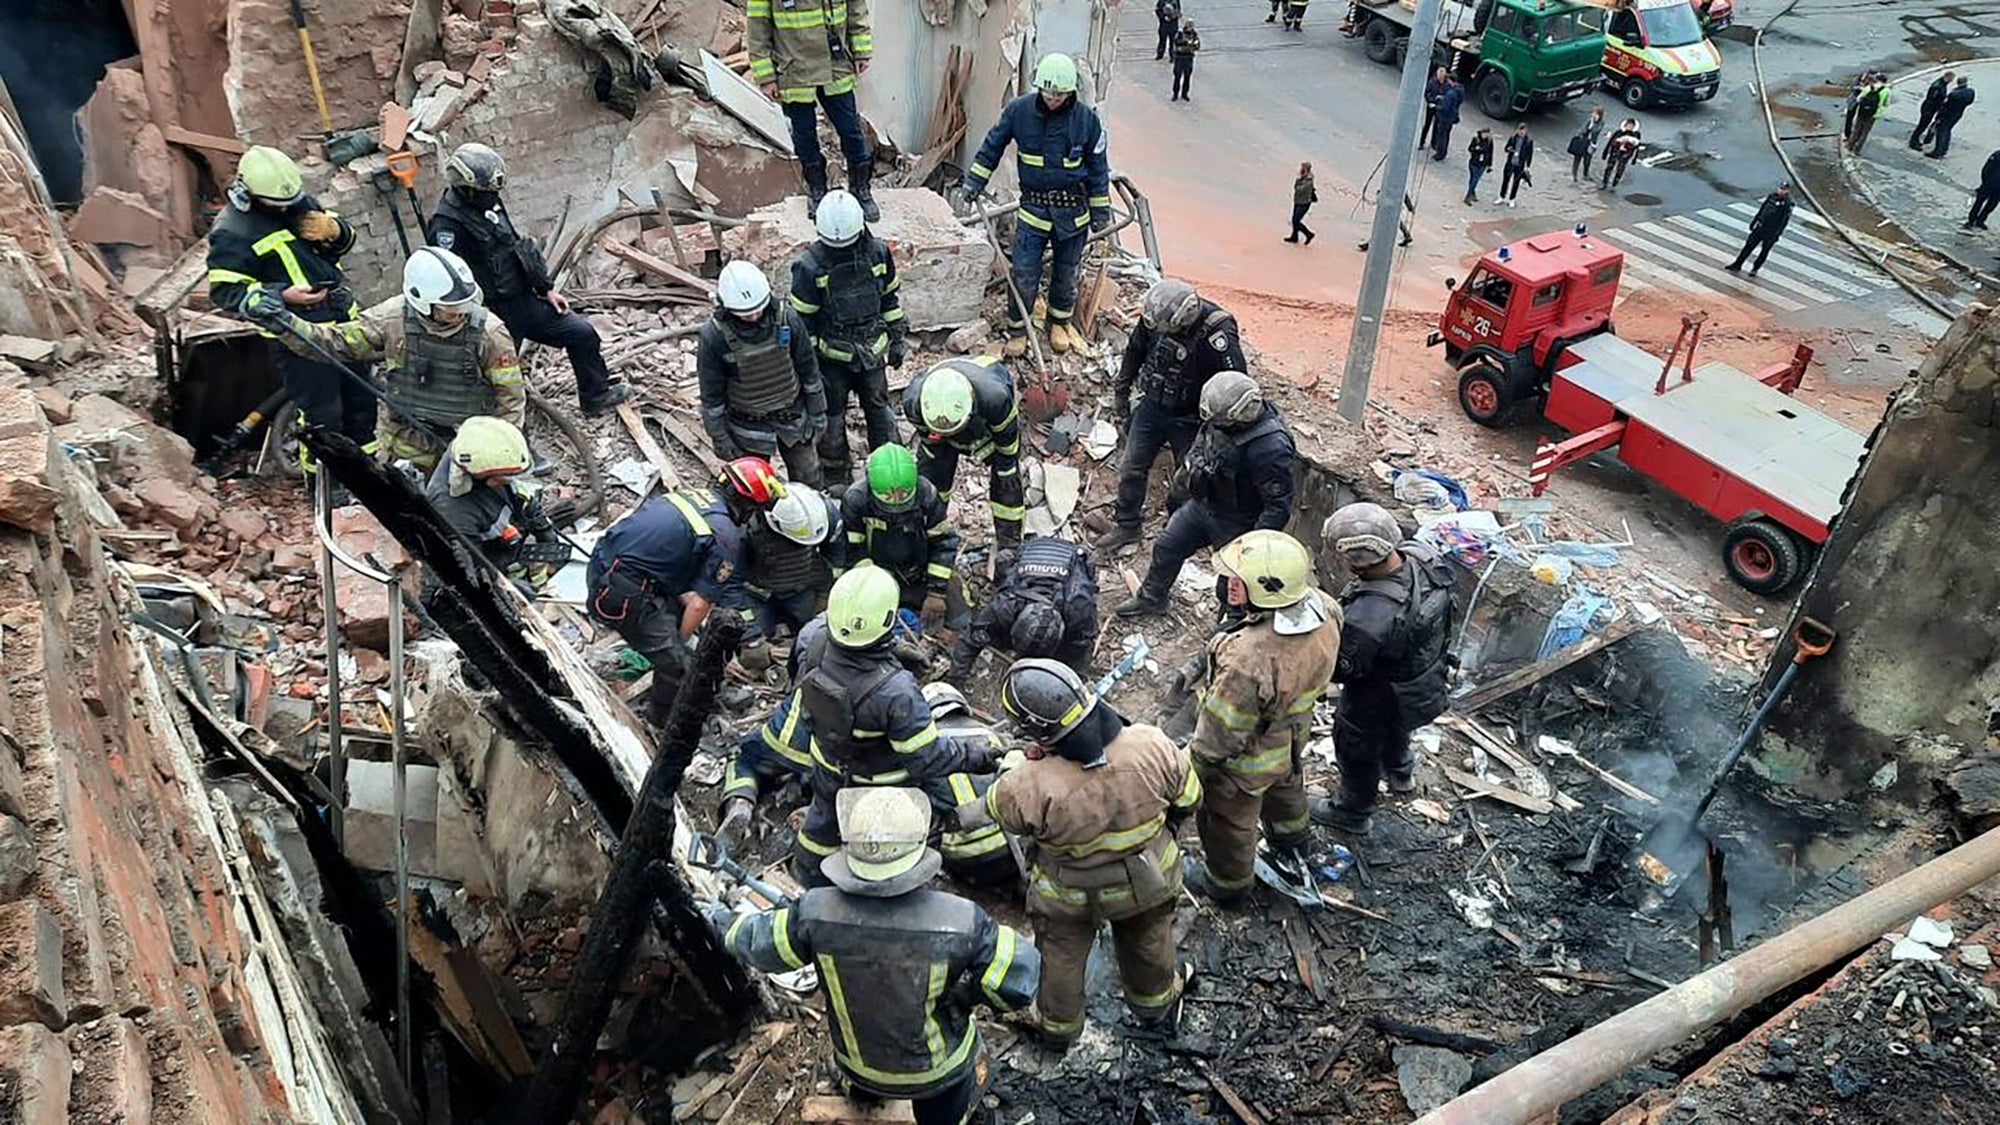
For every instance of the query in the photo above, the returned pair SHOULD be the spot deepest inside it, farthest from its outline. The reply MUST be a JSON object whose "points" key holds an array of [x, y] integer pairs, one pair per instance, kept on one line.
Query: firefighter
{"points": [[1182, 340], [271, 233], [478, 490], [813, 52], [1394, 663], [901, 965], [471, 221], [656, 574], [1065, 176], [1267, 666], [760, 388], [896, 520], [871, 724], [1101, 798], [1045, 604], [845, 285], [968, 406], [1238, 476], [445, 358], [789, 555]]}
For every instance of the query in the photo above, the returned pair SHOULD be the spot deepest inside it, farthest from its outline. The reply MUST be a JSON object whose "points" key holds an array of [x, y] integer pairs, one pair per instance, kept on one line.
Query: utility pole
{"points": [[1388, 209]]}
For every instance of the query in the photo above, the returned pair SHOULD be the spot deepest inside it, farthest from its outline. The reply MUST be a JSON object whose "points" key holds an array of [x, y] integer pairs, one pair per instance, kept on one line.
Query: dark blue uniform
{"points": [[1236, 481], [1048, 571], [1065, 172], [992, 436]]}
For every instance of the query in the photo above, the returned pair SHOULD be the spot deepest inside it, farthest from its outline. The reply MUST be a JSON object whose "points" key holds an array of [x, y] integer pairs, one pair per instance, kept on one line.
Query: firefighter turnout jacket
{"points": [[1171, 368], [991, 436], [848, 296], [901, 976], [1063, 161], [919, 546], [258, 246], [807, 47], [1245, 470], [1394, 648], [478, 229], [758, 380], [1047, 571], [1257, 708]]}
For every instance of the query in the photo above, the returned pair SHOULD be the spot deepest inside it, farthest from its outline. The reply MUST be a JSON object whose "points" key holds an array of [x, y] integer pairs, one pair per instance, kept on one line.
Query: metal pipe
{"points": [[1575, 1066], [336, 770], [401, 798]]}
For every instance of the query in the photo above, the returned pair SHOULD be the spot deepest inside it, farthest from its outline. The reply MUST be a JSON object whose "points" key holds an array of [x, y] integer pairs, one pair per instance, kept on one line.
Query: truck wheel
{"points": [[1483, 393], [1761, 556], [1496, 95], [1635, 94], [1379, 42]]}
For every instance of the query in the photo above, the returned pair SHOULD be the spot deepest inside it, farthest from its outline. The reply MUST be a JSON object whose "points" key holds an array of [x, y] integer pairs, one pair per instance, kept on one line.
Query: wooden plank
{"points": [[1230, 1097], [1482, 788], [209, 141], [159, 300], [1475, 698], [691, 441], [670, 477], [659, 267]]}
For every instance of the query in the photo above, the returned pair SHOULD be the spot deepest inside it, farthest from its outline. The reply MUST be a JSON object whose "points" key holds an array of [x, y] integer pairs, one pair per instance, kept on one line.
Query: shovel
{"points": [[1675, 832], [708, 851]]}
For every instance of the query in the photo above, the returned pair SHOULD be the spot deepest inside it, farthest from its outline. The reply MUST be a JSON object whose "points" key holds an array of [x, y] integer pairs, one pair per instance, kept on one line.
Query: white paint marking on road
{"points": [[1714, 253], [1728, 282], [1650, 276], [1830, 260], [1784, 255]]}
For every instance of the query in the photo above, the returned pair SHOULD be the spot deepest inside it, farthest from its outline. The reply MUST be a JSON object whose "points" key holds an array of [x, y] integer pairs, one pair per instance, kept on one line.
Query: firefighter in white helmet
{"points": [[760, 384], [846, 287]]}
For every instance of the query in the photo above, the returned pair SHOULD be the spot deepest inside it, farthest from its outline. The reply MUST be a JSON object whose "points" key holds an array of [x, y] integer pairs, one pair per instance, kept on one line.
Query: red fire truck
{"points": [[1532, 324]]}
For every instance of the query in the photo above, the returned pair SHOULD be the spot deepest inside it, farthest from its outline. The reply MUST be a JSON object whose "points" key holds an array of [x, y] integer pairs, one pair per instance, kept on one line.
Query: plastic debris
{"points": [[1931, 932], [1101, 440]]}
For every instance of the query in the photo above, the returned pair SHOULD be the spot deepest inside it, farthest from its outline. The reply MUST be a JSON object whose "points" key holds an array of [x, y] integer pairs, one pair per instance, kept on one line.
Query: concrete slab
{"points": [[442, 843]]}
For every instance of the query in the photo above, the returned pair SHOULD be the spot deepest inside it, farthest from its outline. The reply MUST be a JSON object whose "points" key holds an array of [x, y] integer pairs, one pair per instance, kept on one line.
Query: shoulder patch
{"points": [[445, 239], [1219, 341], [724, 569]]}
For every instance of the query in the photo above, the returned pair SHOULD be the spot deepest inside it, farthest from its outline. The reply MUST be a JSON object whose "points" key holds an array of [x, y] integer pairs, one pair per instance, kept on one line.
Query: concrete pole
{"points": [[1382, 238]]}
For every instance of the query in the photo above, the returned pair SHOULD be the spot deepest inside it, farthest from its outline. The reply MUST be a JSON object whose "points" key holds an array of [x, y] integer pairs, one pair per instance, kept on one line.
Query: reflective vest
{"points": [[765, 382], [440, 380]]}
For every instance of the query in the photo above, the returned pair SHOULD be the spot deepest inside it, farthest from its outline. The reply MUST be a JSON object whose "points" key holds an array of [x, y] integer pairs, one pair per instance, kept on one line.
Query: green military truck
{"points": [[1511, 54]]}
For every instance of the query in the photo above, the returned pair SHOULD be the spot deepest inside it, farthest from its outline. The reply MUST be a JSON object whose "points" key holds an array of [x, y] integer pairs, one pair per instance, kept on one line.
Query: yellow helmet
{"points": [[485, 446], [861, 607], [270, 176], [1275, 569]]}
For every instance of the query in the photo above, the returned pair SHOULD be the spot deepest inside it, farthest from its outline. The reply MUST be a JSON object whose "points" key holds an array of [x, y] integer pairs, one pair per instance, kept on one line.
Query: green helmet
{"points": [[861, 607], [892, 477], [944, 402], [270, 176], [1056, 74]]}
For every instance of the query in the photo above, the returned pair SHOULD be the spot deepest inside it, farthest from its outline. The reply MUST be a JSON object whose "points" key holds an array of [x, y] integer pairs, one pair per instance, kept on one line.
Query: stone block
{"points": [[944, 264], [111, 216], [31, 966], [443, 844], [363, 603], [176, 506], [36, 1064], [28, 498], [113, 1073], [17, 856]]}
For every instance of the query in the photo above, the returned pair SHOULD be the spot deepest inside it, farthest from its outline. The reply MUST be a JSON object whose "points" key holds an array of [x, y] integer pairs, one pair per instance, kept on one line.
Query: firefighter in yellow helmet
{"points": [[479, 489]]}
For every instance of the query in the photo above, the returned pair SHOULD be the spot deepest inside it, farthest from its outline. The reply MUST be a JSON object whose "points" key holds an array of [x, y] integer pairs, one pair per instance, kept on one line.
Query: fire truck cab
{"points": [[1505, 328]]}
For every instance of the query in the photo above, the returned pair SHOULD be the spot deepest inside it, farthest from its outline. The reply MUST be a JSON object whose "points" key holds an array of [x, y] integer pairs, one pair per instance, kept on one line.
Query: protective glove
{"points": [[1099, 220], [898, 351], [934, 610], [965, 201], [545, 512], [755, 655], [718, 915], [735, 818], [263, 306], [632, 664], [981, 756], [318, 226]]}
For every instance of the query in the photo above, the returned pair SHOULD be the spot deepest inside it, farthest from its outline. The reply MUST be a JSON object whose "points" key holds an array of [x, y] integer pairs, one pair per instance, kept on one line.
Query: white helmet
{"points": [[800, 516], [839, 218], [435, 276], [742, 288]]}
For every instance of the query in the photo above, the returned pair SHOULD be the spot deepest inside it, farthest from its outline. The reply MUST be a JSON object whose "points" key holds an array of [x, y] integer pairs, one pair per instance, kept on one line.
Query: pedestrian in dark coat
{"points": [[1186, 45], [1934, 96], [1168, 14], [1773, 215], [1583, 144], [1479, 157], [1988, 194], [1304, 195], [1954, 107], [1447, 116], [1520, 157], [1853, 110], [1433, 90], [1618, 153]]}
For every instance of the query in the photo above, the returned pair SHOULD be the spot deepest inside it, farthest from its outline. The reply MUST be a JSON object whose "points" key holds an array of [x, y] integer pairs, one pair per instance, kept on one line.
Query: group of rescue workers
{"points": [[903, 778]]}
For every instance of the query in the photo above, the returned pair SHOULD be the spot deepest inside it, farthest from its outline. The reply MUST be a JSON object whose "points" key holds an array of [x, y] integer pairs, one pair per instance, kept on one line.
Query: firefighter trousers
{"points": [[1144, 943], [1231, 814], [871, 388]]}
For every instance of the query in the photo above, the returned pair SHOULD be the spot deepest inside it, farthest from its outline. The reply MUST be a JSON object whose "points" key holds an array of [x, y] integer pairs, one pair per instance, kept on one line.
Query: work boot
{"points": [[858, 178], [1059, 336], [1016, 345], [1402, 783], [1117, 537], [1006, 540], [1194, 873], [608, 401], [815, 187], [1333, 814], [1142, 604]]}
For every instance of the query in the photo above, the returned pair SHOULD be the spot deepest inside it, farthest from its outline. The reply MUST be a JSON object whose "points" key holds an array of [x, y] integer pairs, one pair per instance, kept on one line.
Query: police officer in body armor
{"points": [[871, 724], [1238, 476], [845, 285], [1181, 341], [789, 554], [760, 386], [445, 359], [1393, 664], [896, 520], [472, 222], [271, 234], [968, 406], [1044, 605]]}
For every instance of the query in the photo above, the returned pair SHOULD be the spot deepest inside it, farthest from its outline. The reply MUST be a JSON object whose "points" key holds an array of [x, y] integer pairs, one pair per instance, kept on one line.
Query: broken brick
{"points": [[27, 461], [113, 217], [34, 1061], [31, 966]]}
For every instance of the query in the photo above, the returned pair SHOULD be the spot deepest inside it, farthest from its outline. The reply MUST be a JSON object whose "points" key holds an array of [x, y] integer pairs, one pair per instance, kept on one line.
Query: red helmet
{"points": [[752, 481]]}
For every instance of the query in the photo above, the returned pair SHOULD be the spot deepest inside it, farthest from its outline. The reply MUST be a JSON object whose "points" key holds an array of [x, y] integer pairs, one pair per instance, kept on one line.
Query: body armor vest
{"points": [[1414, 656], [1164, 377], [778, 564], [1214, 447], [1044, 564], [506, 264], [765, 382], [833, 704], [440, 380], [853, 296]]}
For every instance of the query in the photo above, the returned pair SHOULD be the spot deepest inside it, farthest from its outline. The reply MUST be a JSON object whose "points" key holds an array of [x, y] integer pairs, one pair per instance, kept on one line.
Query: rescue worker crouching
{"points": [[760, 385], [1267, 667], [471, 220], [845, 285], [1394, 664], [901, 965], [1238, 477], [1100, 799], [1045, 604], [446, 359], [896, 520], [1065, 174], [968, 406], [477, 489], [871, 725], [1181, 342], [657, 573], [271, 234], [790, 553]]}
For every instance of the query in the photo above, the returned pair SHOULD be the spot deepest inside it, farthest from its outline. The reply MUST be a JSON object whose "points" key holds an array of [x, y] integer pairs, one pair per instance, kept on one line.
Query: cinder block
{"points": [[31, 966]]}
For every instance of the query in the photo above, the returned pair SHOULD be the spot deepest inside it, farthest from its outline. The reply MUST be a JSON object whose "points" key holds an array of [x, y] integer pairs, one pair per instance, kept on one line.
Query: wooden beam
{"points": [[659, 267], [1495, 690], [1480, 787], [657, 457], [207, 141]]}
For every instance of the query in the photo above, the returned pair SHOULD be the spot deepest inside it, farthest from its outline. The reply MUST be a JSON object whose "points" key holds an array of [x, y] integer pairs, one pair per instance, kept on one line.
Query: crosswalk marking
{"points": [[1719, 279], [1804, 247], [1724, 257], [1687, 253], [1795, 259]]}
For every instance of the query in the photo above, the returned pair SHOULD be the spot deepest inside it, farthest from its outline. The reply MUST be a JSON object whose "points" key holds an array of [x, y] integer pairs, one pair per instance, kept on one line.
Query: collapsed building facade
{"points": [[195, 928]]}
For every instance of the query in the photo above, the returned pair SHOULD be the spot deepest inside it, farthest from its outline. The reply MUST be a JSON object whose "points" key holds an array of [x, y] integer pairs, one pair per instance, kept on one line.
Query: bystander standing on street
{"points": [[1987, 194], [1479, 157], [1304, 195], [1874, 101], [1186, 45], [1449, 99], [1516, 170], [1583, 144], [1934, 96], [1948, 115], [1433, 90], [1773, 216]]}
